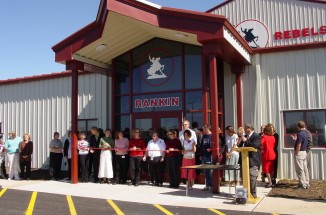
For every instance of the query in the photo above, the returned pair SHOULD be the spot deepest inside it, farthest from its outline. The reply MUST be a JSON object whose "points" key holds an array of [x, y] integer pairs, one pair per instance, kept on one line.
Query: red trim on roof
{"points": [[206, 26], [36, 78], [229, 1], [295, 47]]}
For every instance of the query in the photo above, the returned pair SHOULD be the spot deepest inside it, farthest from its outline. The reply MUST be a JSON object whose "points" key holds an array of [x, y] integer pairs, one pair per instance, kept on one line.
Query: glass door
{"points": [[159, 122]]}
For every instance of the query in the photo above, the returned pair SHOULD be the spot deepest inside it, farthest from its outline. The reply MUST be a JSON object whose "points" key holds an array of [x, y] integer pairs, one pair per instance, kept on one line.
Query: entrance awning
{"points": [[122, 25]]}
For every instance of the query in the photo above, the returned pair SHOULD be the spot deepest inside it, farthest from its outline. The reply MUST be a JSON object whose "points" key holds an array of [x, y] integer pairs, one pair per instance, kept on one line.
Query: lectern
{"points": [[245, 171]]}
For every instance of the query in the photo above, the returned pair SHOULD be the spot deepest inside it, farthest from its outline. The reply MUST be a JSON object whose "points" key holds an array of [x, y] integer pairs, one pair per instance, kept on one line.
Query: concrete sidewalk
{"points": [[167, 196]]}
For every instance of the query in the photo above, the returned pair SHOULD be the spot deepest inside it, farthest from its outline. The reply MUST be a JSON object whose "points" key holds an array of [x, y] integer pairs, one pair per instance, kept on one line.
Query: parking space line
{"points": [[71, 205], [3, 191], [163, 209], [115, 207], [216, 211], [31, 204]]}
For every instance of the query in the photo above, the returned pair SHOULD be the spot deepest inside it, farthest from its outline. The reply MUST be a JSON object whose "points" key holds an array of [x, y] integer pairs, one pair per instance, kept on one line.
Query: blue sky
{"points": [[30, 28]]}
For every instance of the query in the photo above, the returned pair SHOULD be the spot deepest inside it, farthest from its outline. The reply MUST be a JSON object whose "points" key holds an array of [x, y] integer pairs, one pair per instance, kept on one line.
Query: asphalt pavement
{"points": [[14, 202]]}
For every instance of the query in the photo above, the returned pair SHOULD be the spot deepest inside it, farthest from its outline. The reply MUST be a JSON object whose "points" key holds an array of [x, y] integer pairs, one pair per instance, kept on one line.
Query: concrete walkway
{"points": [[167, 196]]}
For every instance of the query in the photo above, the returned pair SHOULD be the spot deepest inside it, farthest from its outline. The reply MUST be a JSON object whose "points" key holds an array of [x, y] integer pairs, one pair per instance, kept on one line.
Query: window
{"points": [[157, 67], [193, 67], [86, 124], [122, 122], [315, 121], [122, 78]]}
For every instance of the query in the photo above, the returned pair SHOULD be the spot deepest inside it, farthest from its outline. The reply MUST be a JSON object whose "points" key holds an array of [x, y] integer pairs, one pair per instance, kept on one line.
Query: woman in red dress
{"points": [[268, 153]]}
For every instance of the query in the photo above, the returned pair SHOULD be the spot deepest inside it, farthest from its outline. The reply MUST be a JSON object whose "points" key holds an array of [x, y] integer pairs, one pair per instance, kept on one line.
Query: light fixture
{"points": [[101, 47], [180, 35]]}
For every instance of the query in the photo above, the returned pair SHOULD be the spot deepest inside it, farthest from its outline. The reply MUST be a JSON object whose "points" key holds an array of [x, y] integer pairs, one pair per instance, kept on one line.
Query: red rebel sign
{"points": [[296, 33]]}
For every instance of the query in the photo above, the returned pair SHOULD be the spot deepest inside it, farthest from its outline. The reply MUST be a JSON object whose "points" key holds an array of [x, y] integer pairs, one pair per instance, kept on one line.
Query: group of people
{"points": [[110, 157], [15, 156]]}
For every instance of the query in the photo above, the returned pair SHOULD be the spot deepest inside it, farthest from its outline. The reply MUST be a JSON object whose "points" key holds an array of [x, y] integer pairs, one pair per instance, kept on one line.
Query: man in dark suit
{"points": [[252, 139], [95, 154]]}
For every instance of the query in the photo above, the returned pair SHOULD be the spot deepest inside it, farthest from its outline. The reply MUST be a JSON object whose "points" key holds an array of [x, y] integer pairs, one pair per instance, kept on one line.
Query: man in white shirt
{"points": [[155, 151], [186, 125]]}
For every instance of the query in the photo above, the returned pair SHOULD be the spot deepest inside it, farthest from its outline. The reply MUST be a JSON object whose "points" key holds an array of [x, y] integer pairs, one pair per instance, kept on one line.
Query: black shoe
{"points": [[254, 195], [136, 184], [160, 185]]}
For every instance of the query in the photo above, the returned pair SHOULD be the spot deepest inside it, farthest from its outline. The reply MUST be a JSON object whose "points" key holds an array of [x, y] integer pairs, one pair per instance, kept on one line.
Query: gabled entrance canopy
{"points": [[122, 25]]}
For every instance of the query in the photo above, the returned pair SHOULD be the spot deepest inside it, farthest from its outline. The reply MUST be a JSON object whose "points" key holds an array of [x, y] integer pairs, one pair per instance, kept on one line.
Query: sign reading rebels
{"points": [[296, 33]]}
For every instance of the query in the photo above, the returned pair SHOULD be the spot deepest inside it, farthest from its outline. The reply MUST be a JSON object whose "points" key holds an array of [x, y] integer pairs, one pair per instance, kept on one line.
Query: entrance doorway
{"points": [[157, 121]]}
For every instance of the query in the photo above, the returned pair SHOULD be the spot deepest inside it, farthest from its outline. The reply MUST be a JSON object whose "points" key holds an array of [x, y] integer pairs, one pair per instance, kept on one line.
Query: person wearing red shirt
{"points": [[173, 152], [137, 147], [268, 153]]}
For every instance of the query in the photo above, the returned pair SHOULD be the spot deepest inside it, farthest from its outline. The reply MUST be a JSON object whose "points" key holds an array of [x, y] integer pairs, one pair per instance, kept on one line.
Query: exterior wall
{"points": [[278, 16], [277, 82], [230, 97], [42, 107]]}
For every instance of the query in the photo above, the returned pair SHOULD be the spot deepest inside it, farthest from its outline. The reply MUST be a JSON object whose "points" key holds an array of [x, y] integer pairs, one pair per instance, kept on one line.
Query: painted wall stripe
{"points": [[31, 204], [163, 209], [71, 206], [115, 207]]}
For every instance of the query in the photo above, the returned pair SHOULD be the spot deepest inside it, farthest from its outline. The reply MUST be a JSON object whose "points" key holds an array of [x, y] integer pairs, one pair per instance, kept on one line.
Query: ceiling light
{"points": [[181, 36], [101, 47]]}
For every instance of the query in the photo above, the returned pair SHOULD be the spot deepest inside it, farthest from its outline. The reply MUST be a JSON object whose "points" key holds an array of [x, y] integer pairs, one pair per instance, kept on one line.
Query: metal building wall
{"points": [[278, 16], [230, 97], [42, 107], [277, 82]]}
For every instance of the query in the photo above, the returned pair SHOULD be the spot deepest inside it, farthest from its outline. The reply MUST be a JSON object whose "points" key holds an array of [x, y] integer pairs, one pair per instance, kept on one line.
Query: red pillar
{"points": [[238, 70], [74, 66], [214, 117]]}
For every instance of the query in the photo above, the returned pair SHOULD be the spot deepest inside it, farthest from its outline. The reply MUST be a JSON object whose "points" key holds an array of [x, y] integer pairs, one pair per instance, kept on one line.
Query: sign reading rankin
{"points": [[157, 102]]}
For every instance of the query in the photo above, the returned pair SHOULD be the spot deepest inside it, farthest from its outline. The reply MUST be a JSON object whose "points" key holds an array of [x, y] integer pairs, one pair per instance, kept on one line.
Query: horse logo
{"points": [[250, 37], [155, 70], [254, 32]]}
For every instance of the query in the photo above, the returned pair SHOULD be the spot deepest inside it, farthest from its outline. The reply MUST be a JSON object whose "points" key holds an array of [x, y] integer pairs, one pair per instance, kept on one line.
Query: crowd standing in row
{"points": [[110, 158]]}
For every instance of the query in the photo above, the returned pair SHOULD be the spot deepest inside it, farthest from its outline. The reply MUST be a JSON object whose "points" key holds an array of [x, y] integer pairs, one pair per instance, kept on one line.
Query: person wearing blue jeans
{"points": [[206, 155]]}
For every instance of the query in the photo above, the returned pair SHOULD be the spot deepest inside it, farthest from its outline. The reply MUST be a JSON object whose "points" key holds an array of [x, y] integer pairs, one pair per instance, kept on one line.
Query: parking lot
{"points": [[26, 202]]}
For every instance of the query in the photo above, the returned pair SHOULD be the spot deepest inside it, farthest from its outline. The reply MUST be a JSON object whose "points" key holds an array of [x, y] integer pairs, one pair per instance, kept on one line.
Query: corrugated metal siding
{"points": [[230, 96], [282, 81], [42, 107], [278, 15]]}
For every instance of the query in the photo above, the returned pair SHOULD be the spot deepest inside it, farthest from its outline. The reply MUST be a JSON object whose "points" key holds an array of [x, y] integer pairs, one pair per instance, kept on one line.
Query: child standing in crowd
{"points": [[12, 156], [189, 146], [106, 170], [56, 149], [83, 150], [232, 157], [25, 158]]}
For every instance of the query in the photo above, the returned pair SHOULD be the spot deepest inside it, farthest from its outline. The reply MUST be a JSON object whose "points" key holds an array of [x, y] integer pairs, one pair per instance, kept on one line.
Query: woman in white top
{"points": [[155, 151], [106, 170], [189, 149], [232, 157], [83, 151]]}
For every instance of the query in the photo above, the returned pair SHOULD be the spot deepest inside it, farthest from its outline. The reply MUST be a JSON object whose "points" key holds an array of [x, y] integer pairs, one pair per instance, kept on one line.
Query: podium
{"points": [[245, 171]]}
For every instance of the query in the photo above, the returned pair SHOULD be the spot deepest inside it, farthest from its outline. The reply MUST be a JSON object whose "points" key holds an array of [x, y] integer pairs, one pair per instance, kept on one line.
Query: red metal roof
{"points": [[36, 78], [229, 1]]}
